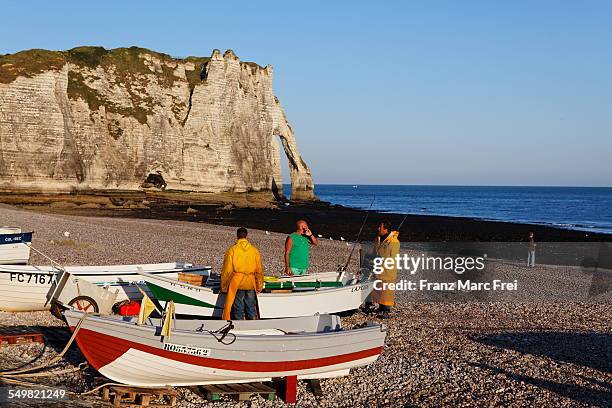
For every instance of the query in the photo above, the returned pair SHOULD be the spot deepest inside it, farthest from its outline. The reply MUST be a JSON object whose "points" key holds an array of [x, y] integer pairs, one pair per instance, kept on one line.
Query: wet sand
{"points": [[256, 210]]}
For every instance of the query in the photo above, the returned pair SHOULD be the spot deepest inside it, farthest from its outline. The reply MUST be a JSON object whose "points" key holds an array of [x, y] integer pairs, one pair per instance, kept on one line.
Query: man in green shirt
{"points": [[297, 249]]}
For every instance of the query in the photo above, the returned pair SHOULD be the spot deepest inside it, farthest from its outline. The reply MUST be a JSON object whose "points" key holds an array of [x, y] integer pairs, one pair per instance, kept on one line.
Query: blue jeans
{"points": [[531, 258], [245, 303]]}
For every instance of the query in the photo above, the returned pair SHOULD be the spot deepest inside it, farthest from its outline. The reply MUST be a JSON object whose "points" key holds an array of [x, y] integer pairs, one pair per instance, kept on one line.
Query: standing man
{"points": [[531, 247], [386, 245], [297, 249], [241, 279]]}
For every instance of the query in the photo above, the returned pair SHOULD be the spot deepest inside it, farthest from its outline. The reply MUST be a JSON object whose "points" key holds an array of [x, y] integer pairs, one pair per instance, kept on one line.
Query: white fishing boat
{"points": [[209, 302], [13, 246], [25, 287], [199, 352]]}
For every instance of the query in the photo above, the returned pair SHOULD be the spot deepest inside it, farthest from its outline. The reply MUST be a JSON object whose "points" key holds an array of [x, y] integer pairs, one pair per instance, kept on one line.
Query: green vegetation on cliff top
{"points": [[32, 62], [127, 65]]}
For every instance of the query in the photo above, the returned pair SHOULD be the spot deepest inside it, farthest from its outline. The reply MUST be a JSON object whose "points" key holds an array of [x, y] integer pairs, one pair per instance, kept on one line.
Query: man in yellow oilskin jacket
{"points": [[241, 279], [386, 245]]}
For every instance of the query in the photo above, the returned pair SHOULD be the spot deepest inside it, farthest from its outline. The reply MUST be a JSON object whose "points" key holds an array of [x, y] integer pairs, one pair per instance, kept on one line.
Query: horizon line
{"points": [[459, 185]]}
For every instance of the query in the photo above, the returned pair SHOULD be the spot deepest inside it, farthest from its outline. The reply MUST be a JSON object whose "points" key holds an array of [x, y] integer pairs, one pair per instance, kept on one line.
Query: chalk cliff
{"points": [[96, 119]]}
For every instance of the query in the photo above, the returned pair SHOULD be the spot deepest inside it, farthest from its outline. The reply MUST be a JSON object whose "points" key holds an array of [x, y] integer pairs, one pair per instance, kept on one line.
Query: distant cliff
{"points": [[91, 119]]}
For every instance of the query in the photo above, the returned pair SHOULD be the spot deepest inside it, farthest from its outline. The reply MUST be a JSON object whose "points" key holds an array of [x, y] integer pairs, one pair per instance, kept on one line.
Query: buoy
{"points": [[342, 239], [319, 235]]}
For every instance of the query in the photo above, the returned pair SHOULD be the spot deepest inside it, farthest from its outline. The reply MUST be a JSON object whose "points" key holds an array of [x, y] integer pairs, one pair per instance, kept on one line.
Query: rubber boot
{"points": [[368, 308], [383, 312]]}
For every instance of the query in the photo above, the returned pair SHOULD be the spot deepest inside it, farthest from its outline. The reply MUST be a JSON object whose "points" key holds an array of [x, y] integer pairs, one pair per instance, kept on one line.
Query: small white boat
{"points": [[13, 246], [209, 302], [201, 352], [24, 288]]}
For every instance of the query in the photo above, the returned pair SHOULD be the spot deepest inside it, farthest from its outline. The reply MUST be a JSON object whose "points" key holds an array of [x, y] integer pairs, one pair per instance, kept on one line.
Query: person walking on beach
{"points": [[297, 251], [241, 278], [531, 248], [386, 245]]}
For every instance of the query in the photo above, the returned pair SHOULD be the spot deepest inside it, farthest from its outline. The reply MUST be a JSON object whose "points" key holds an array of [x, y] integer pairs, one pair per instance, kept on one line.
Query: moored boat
{"points": [[209, 302], [14, 247], [201, 352], [24, 287]]}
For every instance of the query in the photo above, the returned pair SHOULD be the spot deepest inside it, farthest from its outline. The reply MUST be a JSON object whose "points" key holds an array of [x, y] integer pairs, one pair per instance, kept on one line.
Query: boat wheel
{"points": [[84, 304]]}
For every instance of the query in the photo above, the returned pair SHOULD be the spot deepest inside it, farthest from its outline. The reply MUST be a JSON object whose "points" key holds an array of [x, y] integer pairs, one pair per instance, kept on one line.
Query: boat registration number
{"points": [[39, 278], [194, 351], [360, 287]]}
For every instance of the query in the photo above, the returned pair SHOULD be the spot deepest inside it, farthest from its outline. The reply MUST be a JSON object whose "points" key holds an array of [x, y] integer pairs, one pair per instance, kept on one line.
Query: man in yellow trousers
{"points": [[386, 245], [241, 279]]}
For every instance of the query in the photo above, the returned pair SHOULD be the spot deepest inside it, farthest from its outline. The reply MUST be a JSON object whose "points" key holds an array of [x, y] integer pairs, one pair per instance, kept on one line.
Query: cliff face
{"points": [[91, 118]]}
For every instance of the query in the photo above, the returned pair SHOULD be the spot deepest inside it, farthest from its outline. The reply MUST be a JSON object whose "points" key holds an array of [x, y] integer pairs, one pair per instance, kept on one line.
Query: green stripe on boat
{"points": [[164, 294], [290, 285]]}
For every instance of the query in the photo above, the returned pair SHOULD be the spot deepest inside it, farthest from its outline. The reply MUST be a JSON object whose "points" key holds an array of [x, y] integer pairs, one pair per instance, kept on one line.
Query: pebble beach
{"points": [[537, 352]]}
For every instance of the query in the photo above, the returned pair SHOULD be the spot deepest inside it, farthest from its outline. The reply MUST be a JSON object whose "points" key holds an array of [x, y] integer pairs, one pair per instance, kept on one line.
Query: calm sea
{"points": [[581, 208]]}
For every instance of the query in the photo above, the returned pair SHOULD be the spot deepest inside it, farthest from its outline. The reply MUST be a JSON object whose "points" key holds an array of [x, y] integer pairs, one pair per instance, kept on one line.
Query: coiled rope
{"points": [[14, 376], [223, 332]]}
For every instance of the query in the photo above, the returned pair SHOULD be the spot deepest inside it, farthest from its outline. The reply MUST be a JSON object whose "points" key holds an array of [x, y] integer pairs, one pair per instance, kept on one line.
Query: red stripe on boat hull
{"points": [[92, 345]]}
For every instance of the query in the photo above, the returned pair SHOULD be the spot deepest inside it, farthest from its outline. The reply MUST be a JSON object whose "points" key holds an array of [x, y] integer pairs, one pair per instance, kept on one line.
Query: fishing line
{"points": [[348, 261], [402, 223]]}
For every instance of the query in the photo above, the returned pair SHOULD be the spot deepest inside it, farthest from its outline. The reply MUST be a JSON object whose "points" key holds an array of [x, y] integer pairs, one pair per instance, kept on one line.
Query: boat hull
{"points": [[24, 287], [203, 301], [134, 355], [14, 254], [13, 246]]}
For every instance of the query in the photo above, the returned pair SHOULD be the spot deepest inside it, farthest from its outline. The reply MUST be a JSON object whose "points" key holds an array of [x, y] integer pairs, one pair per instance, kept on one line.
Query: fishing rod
{"points": [[348, 261], [402, 223]]}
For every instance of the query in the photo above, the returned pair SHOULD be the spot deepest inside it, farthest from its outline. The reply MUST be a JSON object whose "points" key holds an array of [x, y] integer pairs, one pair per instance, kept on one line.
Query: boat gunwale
{"points": [[371, 327], [326, 290], [99, 271]]}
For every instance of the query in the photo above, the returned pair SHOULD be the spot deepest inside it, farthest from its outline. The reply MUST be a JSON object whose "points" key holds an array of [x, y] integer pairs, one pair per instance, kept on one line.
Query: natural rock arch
{"points": [[302, 187], [206, 123]]}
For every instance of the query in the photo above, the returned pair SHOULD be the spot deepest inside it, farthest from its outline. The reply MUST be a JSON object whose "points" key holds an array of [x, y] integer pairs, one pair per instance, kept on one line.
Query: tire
{"points": [[84, 304]]}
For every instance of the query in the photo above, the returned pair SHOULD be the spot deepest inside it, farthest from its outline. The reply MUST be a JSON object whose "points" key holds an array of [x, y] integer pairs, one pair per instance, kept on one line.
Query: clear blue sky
{"points": [[431, 92]]}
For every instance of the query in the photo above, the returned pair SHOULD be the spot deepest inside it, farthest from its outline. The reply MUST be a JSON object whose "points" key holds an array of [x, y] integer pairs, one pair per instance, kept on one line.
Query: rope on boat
{"points": [[99, 387], [26, 372], [223, 331], [80, 367], [53, 262], [14, 377]]}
